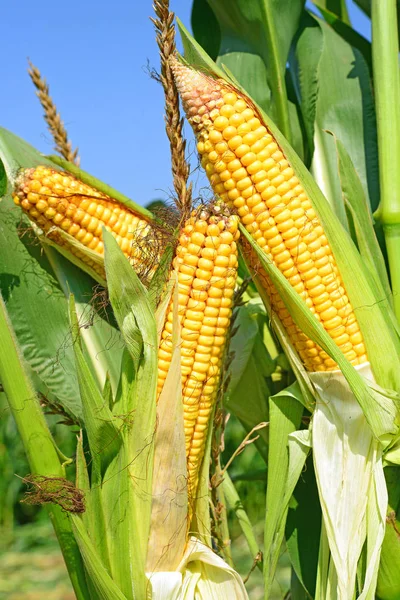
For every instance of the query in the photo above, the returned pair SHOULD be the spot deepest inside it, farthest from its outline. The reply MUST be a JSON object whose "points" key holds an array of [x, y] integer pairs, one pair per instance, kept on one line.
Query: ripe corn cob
{"points": [[206, 265], [56, 201], [249, 171]]}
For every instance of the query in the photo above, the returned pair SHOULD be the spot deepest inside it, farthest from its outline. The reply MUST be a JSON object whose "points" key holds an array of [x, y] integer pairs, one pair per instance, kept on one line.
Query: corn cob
{"points": [[249, 172], [58, 202], [206, 265]]}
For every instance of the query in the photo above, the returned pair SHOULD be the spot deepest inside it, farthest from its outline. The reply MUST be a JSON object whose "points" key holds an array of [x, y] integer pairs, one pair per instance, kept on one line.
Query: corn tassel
{"points": [[58, 202], [206, 265], [249, 172]]}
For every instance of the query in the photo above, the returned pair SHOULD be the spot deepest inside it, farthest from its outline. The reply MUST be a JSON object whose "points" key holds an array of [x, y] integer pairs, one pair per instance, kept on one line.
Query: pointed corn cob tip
{"points": [[205, 262], [200, 93], [58, 202], [249, 171]]}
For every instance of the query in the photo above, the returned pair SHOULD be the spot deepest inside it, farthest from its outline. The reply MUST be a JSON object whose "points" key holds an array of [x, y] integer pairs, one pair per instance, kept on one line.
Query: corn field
{"points": [[225, 365]]}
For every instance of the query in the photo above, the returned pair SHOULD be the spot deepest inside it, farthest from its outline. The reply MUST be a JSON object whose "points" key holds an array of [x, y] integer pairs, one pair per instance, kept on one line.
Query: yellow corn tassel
{"points": [[206, 266], [249, 171], [58, 202]]}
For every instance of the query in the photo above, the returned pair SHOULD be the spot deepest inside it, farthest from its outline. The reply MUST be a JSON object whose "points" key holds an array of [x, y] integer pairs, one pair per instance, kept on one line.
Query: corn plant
{"points": [[295, 116]]}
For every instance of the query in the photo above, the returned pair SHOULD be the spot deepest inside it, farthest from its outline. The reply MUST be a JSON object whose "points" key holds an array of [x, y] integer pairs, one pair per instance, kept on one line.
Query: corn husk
{"points": [[201, 575], [351, 484]]}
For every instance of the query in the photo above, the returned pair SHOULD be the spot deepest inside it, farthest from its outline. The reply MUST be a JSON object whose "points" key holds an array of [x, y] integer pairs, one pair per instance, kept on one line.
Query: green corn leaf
{"points": [[100, 424], [82, 477], [350, 35], [194, 53], [285, 413], [93, 517], [356, 202], [133, 473], [160, 277], [42, 454], [336, 7], [100, 580], [234, 503], [303, 528], [334, 89], [251, 366], [205, 27]]}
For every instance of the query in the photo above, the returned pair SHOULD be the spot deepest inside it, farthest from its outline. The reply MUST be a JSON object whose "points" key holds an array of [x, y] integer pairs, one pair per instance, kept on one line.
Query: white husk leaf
{"points": [[201, 575], [352, 490]]}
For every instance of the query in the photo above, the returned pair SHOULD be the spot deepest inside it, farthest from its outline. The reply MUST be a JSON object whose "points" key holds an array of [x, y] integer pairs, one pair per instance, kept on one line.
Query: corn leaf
{"points": [[251, 367], [42, 454], [82, 477], [194, 53], [234, 503], [356, 202], [160, 277], [132, 475], [205, 27], [303, 528], [284, 418], [101, 581], [334, 90], [306, 396], [350, 35], [336, 7], [100, 424]]}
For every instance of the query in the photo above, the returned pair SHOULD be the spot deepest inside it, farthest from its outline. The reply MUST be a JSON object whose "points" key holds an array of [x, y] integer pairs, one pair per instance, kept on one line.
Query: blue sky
{"points": [[94, 56]]}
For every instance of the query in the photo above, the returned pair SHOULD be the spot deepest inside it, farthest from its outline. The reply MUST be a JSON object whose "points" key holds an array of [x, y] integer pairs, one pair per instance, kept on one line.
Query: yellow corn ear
{"points": [[206, 263], [58, 202], [249, 171]]}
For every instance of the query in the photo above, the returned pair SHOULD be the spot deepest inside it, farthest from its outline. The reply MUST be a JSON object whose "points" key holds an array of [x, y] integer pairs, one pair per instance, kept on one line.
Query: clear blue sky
{"points": [[94, 56]]}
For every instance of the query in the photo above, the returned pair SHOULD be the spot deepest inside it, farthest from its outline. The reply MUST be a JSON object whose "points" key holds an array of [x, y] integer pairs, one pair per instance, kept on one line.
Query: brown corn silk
{"points": [[205, 263], [249, 171], [58, 202]]}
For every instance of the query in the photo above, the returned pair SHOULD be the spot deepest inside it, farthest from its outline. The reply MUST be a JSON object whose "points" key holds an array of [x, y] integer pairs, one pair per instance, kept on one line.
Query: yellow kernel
{"points": [[248, 158], [227, 110], [242, 150], [221, 123], [245, 184], [240, 105], [209, 253], [243, 129], [214, 136], [235, 142], [230, 98], [229, 132], [250, 139]]}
